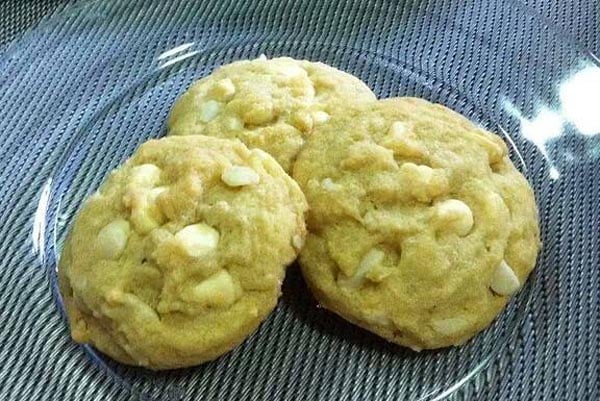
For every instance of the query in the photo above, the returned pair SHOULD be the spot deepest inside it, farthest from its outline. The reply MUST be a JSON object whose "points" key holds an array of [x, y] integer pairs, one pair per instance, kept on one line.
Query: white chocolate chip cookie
{"points": [[181, 253], [272, 104], [420, 227]]}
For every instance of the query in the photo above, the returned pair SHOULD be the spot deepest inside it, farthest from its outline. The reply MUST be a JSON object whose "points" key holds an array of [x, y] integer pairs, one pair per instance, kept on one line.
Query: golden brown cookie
{"points": [[420, 227], [181, 253], [272, 105]]}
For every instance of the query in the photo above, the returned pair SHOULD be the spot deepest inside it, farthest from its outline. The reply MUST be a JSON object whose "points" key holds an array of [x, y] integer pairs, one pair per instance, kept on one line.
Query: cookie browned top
{"points": [[181, 252], [420, 227], [272, 104]]}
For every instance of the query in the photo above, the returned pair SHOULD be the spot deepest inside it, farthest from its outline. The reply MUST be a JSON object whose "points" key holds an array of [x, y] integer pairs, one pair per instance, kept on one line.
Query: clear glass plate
{"points": [[126, 62]]}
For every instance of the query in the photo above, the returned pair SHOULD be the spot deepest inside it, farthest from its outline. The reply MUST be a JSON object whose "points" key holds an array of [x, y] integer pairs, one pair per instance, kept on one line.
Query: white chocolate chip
{"points": [[329, 185], [145, 213], [292, 71], [261, 154], [156, 192], [449, 326], [234, 123], [302, 121], [263, 160], [402, 141], [217, 290], [223, 90], [115, 296], [143, 221], [320, 117], [145, 175], [237, 176], [422, 173], [378, 273], [111, 239], [455, 215], [209, 110], [297, 242], [504, 280], [262, 57], [373, 258], [261, 112], [423, 182], [397, 130], [197, 240]]}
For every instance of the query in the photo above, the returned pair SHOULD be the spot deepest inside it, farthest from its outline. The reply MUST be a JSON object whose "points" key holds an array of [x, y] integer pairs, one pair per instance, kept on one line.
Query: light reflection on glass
{"points": [[545, 126], [175, 50], [178, 59], [39, 221], [173, 56], [580, 100]]}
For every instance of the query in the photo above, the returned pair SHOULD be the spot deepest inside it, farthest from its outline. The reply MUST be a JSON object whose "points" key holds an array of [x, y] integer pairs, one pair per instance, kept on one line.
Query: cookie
{"points": [[272, 105], [420, 227], [181, 253]]}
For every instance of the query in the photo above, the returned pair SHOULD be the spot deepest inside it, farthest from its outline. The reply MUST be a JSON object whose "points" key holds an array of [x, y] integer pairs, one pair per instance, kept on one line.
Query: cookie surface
{"points": [[181, 253], [272, 104], [420, 227]]}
